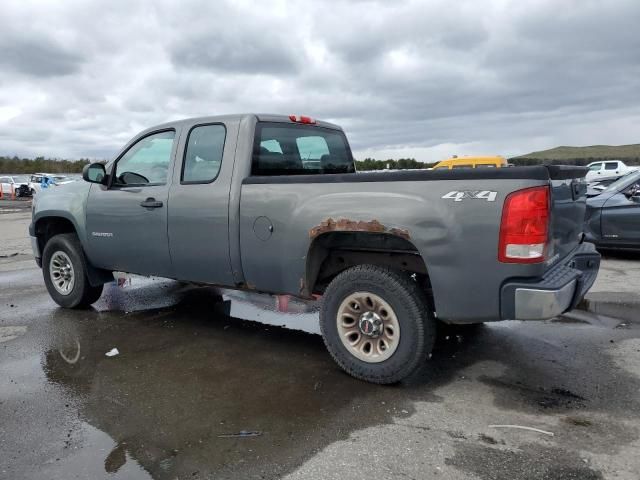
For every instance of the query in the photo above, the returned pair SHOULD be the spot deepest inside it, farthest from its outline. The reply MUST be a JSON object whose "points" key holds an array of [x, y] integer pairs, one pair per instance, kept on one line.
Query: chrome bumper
{"points": [[534, 304], [559, 290]]}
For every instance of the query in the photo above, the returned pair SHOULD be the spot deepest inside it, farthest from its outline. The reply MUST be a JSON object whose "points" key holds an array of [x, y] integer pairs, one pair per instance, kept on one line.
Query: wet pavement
{"points": [[194, 393]]}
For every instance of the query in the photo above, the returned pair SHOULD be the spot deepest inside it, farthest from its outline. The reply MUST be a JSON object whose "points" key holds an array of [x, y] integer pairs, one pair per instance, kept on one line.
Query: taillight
{"points": [[524, 229], [302, 119]]}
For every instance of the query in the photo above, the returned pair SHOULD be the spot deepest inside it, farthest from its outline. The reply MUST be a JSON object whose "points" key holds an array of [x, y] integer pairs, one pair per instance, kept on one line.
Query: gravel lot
{"points": [[194, 393]]}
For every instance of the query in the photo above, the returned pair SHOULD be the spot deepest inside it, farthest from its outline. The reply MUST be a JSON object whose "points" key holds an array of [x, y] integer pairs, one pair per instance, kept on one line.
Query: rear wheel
{"points": [[376, 323], [65, 273]]}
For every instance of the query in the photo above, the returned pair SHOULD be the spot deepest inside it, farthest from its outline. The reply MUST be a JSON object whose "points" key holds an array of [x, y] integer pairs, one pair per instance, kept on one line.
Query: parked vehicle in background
{"points": [[471, 162], [36, 181], [607, 169], [613, 217], [597, 187], [18, 186], [272, 203]]}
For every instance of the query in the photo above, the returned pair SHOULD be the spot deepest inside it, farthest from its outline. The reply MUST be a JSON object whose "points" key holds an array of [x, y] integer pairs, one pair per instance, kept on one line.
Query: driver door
{"points": [[127, 219]]}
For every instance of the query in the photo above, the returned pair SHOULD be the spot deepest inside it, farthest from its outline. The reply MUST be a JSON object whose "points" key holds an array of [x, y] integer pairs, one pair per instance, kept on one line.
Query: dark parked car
{"points": [[613, 216]]}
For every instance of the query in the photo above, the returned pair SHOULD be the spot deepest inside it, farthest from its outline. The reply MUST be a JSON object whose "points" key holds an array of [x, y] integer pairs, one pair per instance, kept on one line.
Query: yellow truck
{"points": [[472, 162]]}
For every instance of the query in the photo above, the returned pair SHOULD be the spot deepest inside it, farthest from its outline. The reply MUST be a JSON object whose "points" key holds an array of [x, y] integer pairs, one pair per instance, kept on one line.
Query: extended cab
{"points": [[273, 204]]}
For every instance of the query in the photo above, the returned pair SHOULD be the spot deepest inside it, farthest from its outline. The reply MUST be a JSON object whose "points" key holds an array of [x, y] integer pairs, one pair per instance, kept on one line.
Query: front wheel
{"points": [[65, 273], [376, 323]]}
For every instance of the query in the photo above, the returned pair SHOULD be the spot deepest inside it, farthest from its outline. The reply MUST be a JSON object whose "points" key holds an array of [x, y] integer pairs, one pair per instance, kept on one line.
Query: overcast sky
{"points": [[423, 79]]}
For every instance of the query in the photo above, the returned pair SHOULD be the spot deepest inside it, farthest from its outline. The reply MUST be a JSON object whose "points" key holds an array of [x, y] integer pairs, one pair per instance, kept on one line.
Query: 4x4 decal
{"points": [[459, 195]]}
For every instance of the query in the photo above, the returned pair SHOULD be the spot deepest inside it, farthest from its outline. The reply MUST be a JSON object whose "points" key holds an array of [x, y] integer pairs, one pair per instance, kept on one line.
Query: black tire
{"points": [[82, 294], [409, 304]]}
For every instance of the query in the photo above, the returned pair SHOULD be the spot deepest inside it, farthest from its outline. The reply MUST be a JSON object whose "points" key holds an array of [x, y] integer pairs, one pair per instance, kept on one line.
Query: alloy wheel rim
{"points": [[368, 327], [61, 273]]}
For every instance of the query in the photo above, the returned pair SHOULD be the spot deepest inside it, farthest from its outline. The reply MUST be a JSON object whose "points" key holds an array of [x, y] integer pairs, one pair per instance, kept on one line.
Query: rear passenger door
{"points": [[611, 169], [199, 204]]}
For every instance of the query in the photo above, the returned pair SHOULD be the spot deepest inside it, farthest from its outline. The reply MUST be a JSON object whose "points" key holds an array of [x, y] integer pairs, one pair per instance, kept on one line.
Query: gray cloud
{"points": [[417, 78], [38, 57]]}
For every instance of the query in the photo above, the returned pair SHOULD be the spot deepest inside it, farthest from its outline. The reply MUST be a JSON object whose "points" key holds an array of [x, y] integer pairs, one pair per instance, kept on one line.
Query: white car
{"points": [[10, 184], [607, 169], [36, 179]]}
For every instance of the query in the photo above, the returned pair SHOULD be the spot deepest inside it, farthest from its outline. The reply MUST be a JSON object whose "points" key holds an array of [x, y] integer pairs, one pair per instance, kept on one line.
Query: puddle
{"points": [[189, 379]]}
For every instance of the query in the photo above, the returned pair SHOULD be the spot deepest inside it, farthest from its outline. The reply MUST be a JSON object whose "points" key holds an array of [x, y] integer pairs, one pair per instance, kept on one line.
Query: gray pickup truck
{"points": [[273, 204]]}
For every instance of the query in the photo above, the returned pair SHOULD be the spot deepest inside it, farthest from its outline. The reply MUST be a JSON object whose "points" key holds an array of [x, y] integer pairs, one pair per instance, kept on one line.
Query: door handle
{"points": [[151, 203]]}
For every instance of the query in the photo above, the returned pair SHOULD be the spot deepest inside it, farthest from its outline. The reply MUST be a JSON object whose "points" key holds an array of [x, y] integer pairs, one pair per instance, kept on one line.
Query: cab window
{"points": [[146, 162], [610, 165], [203, 155], [283, 149], [595, 166]]}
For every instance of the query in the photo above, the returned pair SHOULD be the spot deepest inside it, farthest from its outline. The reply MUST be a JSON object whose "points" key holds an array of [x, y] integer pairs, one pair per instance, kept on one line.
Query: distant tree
{"points": [[391, 164], [40, 164]]}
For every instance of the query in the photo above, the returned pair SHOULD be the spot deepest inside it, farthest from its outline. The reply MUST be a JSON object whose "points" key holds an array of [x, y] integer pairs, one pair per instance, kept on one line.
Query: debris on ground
{"points": [[112, 353], [521, 427], [11, 332], [241, 433], [489, 439], [578, 421]]}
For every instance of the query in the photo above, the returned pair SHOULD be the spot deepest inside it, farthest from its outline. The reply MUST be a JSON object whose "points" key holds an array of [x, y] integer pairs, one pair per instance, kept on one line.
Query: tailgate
{"points": [[568, 204]]}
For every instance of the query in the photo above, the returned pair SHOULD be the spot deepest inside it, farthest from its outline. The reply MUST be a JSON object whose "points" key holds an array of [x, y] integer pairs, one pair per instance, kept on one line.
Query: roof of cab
{"points": [[261, 117]]}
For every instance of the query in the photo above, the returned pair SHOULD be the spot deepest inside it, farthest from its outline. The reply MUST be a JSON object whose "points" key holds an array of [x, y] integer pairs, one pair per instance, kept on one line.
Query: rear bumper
{"points": [[559, 290]]}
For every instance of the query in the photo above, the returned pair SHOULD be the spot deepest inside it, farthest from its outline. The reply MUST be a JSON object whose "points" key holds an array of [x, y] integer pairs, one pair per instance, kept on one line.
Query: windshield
{"points": [[21, 179], [623, 182]]}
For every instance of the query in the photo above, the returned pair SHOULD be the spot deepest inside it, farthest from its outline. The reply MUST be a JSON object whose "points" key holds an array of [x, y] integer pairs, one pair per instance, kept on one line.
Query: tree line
{"points": [[49, 165], [400, 164], [40, 164]]}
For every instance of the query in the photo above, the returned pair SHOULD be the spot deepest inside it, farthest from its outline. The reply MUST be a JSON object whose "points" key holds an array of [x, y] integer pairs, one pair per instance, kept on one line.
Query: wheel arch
{"points": [[333, 252], [47, 226]]}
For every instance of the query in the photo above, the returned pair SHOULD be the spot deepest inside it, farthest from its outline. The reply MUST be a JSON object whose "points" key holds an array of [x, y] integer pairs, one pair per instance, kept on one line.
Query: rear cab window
{"points": [[610, 165], [295, 149]]}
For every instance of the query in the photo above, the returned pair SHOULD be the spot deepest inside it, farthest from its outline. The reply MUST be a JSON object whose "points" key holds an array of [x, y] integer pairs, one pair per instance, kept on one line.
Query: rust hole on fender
{"points": [[347, 225]]}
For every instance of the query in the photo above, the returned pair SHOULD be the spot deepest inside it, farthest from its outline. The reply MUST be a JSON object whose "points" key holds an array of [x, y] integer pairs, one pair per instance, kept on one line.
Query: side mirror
{"points": [[94, 173], [633, 193]]}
